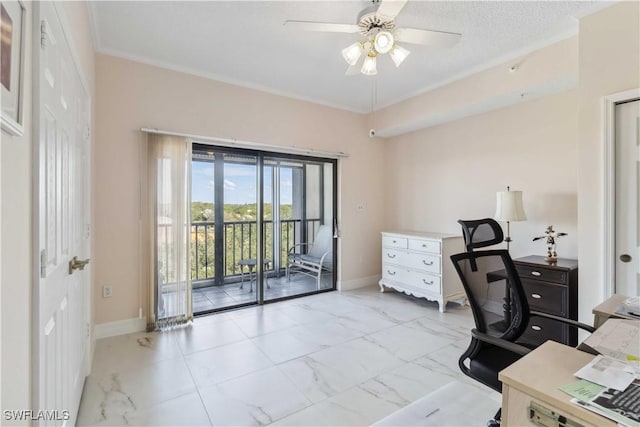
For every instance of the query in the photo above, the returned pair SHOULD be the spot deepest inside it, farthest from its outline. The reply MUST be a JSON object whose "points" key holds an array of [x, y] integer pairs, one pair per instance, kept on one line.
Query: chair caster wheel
{"points": [[493, 423]]}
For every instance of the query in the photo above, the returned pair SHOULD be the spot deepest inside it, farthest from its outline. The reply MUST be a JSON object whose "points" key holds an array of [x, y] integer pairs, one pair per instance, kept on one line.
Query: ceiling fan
{"points": [[378, 26]]}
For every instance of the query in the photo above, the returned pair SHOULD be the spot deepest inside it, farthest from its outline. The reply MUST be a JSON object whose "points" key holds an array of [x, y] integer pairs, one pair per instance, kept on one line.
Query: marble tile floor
{"points": [[213, 297], [338, 358]]}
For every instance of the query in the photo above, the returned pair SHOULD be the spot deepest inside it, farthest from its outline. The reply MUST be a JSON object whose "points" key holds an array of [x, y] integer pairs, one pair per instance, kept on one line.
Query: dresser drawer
{"points": [[393, 272], [394, 242], [415, 260], [425, 281], [424, 245], [426, 262], [416, 279], [546, 297], [541, 273]]}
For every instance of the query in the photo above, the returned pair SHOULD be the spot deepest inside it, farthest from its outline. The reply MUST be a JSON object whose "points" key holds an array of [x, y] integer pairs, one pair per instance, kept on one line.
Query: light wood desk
{"points": [[536, 378], [607, 310]]}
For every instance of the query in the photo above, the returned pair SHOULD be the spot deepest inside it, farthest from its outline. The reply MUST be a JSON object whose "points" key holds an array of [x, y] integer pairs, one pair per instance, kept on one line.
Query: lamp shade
{"points": [[369, 66], [509, 206]]}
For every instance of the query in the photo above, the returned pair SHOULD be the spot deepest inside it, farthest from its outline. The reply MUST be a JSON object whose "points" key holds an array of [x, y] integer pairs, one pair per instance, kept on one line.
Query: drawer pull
{"points": [[536, 273], [391, 273], [536, 328], [395, 241], [391, 256], [424, 246], [427, 283], [536, 296], [427, 263]]}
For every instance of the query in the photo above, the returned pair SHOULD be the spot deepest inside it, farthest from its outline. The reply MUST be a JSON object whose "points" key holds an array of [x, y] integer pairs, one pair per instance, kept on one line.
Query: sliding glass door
{"points": [[299, 210], [263, 227]]}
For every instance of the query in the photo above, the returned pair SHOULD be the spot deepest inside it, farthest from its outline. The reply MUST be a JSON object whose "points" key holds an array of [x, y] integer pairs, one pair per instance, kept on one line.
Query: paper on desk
{"points": [[608, 372], [617, 338], [583, 390], [612, 415]]}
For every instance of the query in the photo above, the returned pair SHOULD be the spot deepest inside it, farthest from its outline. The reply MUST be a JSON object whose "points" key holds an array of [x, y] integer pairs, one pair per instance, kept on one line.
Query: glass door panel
{"points": [[299, 194], [224, 241], [262, 227]]}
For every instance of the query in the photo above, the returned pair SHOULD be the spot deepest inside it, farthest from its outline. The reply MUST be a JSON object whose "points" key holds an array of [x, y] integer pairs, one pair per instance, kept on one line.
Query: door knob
{"points": [[625, 258], [76, 264]]}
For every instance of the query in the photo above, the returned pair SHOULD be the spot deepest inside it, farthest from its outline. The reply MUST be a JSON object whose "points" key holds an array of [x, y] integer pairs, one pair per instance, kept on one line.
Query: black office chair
{"points": [[487, 276]]}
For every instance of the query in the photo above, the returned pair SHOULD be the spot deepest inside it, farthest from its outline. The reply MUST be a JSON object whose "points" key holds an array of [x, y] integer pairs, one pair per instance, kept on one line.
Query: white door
{"points": [[62, 115], [627, 195]]}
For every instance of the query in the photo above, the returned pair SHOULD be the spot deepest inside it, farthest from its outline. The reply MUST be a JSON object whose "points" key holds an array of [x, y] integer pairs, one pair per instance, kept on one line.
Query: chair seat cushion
{"points": [[488, 362]]}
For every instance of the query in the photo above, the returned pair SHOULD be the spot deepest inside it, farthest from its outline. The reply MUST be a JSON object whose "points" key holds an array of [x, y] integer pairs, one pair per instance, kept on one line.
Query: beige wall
{"points": [[132, 95], [15, 232], [609, 62], [452, 171]]}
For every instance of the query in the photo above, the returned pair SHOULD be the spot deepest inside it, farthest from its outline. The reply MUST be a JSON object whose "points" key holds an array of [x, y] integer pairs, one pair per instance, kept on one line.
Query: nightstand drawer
{"points": [[540, 330], [546, 297], [394, 242], [541, 273]]}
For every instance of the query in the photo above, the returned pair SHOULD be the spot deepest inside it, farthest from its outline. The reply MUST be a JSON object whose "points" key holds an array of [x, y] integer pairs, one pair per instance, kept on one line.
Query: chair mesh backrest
{"points": [[479, 233], [486, 277], [322, 242]]}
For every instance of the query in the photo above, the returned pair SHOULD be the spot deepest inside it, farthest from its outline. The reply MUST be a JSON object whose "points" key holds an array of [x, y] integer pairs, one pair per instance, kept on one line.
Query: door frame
{"points": [[36, 209], [609, 186]]}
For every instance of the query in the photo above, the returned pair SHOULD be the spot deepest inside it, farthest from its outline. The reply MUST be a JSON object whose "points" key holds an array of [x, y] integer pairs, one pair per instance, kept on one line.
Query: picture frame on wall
{"points": [[12, 27]]}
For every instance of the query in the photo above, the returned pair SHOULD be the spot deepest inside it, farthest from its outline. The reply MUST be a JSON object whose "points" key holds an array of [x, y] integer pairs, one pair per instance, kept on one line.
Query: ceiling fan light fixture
{"points": [[383, 42], [398, 54], [369, 67], [352, 53]]}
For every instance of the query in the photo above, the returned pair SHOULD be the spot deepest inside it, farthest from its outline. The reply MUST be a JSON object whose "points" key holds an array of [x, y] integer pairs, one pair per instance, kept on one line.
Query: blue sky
{"points": [[239, 183]]}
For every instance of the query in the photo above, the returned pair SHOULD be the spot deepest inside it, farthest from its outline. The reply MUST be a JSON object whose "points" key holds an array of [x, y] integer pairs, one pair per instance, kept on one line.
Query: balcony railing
{"points": [[240, 242]]}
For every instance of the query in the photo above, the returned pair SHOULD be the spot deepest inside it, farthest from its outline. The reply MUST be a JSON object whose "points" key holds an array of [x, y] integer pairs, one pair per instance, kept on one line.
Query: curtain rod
{"points": [[226, 142]]}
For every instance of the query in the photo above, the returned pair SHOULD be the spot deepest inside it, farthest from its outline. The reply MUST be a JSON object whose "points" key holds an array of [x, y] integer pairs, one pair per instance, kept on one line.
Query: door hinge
{"points": [[43, 34], [43, 263], [87, 133], [88, 330], [46, 37]]}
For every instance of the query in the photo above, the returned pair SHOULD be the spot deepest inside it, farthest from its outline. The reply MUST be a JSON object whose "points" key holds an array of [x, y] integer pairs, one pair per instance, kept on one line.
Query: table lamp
{"points": [[509, 208]]}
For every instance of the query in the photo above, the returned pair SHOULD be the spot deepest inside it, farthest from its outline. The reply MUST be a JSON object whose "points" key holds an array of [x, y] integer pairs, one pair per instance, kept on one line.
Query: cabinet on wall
{"points": [[419, 264], [551, 288]]}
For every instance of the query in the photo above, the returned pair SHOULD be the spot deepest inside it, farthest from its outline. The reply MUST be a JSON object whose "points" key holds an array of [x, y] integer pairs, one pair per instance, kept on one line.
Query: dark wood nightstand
{"points": [[550, 288]]}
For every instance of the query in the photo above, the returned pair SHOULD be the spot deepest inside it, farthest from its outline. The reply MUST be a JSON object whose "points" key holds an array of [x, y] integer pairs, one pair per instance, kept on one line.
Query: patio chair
{"points": [[317, 257]]}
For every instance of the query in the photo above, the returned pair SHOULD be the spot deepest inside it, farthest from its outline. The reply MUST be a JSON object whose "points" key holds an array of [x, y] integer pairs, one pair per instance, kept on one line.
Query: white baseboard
{"points": [[347, 285], [120, 327]]}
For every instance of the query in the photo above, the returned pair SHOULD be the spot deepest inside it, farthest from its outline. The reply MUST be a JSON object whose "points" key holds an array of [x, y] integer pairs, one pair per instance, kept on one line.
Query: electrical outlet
{"points": [[107, 291], [360, 207]]}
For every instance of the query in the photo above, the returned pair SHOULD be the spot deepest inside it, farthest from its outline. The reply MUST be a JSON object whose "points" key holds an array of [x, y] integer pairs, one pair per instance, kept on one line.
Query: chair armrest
{"points": [[295, 246], [563, 320], [507, 345]]}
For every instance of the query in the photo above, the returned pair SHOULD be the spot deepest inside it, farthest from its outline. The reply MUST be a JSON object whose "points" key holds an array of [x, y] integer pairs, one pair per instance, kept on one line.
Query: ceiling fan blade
{"points": [[427, 37], [322, 26], [390, 8]]}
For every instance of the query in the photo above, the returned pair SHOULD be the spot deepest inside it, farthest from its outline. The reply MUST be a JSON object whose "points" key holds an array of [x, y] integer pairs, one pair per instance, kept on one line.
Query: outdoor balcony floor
{"points": [[215, 297]]}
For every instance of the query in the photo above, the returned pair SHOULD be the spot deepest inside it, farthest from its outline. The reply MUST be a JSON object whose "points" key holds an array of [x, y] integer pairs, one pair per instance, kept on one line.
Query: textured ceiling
{"points": [[245, 42]]}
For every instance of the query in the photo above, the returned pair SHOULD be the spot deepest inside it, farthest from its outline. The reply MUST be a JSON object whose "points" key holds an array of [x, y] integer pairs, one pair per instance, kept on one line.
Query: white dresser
{"points": [[419, 264]]}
